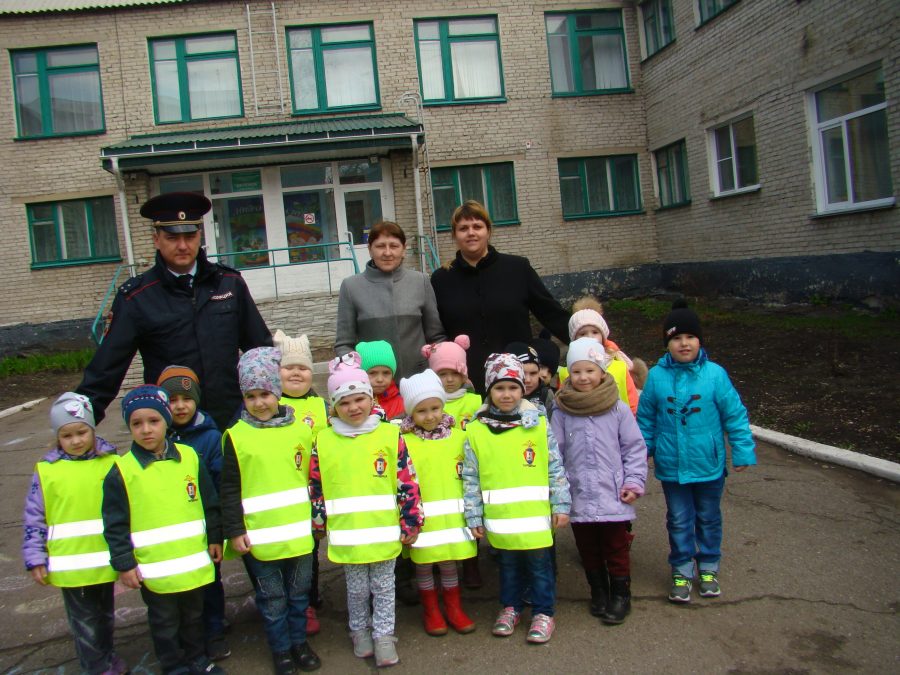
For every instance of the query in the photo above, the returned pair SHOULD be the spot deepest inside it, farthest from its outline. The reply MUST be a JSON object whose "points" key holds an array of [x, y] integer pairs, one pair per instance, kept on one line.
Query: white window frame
{"points": [[818, 151], [713, 155]]}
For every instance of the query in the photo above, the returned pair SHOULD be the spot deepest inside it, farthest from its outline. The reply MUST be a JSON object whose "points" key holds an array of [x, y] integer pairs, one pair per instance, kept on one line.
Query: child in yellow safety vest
{"points": [[162, 523], [311, 409], [63, 545], [436, 447], [448, 360], [265, 507], [516, 493], [362, 481]]}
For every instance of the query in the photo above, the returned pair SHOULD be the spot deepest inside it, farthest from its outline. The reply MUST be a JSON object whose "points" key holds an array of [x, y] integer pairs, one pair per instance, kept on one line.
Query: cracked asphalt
{"points": [[810, 578]]}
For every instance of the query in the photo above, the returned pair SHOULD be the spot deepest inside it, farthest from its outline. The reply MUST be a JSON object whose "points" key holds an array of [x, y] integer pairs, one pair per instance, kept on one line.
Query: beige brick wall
{"points": [[763, 56]]}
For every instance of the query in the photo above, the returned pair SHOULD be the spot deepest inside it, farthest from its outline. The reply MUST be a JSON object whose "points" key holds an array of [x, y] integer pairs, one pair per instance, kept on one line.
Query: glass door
{"points": [[240, 218]]}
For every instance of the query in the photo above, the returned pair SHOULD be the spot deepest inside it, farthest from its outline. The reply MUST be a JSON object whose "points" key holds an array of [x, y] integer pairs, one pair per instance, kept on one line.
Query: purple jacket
{"points": [[34, 541], [602, 454]]}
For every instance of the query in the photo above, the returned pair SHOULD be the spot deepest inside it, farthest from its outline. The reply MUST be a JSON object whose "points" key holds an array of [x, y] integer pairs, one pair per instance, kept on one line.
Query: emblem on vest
{"points": [[528, 454], [298, 457], [464, 420], [380, 465], [309, 420], [459, 465], [191, 488]]}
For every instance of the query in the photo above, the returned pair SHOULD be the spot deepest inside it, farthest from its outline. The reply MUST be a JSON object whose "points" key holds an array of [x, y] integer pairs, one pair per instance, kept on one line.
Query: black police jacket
{"points": [[204, 327]]}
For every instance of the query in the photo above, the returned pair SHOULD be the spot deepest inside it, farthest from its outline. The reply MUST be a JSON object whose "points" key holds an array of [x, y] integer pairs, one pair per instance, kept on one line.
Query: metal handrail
{"points": [[432, 258], [97, 333]]}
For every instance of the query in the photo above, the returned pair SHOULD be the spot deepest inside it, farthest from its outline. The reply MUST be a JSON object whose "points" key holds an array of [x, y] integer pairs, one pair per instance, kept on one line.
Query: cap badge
{"points": [[182, 215]]}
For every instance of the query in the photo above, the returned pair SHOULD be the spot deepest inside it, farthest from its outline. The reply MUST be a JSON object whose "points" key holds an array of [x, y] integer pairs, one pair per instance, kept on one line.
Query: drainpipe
{"points": [[123, 205], [420, 228]]}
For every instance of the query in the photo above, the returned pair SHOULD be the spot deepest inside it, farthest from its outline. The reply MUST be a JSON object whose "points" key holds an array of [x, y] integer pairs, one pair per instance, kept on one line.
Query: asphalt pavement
{"points": [[810, 578]]}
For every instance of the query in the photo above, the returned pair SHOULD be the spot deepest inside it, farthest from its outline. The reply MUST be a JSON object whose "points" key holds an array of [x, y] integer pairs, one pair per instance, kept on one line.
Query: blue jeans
{"points": [[694, 522], [282, 596], [532, 569]]}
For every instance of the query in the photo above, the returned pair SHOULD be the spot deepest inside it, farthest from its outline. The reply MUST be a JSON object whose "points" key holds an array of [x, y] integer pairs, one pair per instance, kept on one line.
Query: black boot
{"points": [[599, 583], [619, 604], [404, 579]]}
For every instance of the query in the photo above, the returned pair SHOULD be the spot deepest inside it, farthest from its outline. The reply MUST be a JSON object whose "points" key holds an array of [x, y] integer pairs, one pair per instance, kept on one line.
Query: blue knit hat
{"points": [[147, 396]]}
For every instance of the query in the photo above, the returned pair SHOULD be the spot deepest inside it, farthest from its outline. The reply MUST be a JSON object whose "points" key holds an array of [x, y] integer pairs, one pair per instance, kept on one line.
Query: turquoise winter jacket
{"points": [[684, 413]]}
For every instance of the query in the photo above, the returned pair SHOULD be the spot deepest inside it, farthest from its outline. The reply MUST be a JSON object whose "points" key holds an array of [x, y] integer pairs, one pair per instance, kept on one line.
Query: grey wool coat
{"points": [[398, 307]]}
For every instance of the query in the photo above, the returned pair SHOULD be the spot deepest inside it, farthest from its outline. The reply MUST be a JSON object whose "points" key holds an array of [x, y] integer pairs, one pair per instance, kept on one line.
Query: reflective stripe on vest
{"points": [[359, 484], [274, 468], [439, 471], [310, 411], [514, 472], [73, 495], [168, 529]]}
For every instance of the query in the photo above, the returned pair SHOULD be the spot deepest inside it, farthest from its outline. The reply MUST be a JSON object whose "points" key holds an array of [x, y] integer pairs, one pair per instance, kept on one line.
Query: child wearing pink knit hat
{"points": [[448, 360]]}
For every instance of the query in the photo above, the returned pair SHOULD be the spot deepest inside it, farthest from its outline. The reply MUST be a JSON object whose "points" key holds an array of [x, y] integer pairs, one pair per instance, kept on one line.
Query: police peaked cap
{"points": [[177, 212]]}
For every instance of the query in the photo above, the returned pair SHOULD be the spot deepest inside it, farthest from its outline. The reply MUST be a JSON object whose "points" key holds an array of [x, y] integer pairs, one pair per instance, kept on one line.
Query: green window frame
{"points": [[494, 185], [195, 77], [339, 62], [672, 175], [659, 26], [710, 9], [592, 187], [459, 60], [587, 52], [75, 232], [58, 91]]}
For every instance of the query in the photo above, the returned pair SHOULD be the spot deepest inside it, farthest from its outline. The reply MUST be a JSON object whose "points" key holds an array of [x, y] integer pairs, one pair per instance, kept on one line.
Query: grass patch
{"points": [[66, 362], [845, 321]]}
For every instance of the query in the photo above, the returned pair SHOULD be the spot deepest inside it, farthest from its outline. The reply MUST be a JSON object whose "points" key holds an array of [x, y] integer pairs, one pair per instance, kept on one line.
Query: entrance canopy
{"points": [[256, 145]]}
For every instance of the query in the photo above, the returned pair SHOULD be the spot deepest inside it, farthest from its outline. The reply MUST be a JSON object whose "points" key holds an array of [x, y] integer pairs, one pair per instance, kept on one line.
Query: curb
{"points": [[22, 406], [853, 460]]}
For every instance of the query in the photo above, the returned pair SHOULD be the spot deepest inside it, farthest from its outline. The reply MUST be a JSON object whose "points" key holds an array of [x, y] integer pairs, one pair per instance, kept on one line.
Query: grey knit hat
{"points": [[69, 408]]}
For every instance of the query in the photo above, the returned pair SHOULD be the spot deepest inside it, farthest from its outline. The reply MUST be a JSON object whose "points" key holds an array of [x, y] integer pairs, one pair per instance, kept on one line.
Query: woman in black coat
{"points": [[488, 295]]}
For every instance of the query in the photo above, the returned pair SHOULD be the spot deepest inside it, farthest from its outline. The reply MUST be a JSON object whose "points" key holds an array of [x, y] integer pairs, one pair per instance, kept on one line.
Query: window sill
{"points": [[468, 101], [200, 119], [734, 193], [880, 205], [56, 264], [603, 92], [591, 216], [96, 132], [650, 56], [669, 207], [336, 110]]}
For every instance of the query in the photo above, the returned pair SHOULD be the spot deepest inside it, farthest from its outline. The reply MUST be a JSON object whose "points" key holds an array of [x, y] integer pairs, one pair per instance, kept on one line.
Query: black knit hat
{"points": [[548, 351], [681, 320], [523, 351]]}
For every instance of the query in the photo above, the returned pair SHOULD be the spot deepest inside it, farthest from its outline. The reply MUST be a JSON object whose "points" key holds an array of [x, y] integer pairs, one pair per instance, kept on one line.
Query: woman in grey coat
{"points": [[388, 302]]}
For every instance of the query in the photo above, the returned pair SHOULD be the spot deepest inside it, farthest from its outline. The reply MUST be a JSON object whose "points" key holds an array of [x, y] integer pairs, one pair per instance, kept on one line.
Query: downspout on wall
{"points": [[123, 205]]}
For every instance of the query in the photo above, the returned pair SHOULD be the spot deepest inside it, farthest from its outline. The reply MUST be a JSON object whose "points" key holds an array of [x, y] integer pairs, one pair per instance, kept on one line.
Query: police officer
{"points": [[185, 310]]}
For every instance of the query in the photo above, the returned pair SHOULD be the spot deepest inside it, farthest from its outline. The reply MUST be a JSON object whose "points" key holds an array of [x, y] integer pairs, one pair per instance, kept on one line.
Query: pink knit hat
{"points": [[347, 377], [448, 355], [587, 317]]}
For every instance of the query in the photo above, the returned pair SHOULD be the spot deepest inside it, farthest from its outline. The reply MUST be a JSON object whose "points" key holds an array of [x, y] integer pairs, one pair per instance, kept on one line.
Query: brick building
{"points": [[712, 146]]}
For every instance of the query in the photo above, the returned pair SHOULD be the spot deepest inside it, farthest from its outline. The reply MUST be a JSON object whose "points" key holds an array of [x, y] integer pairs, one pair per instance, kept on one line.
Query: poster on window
{"points": [[247, 225], [303, 221]]}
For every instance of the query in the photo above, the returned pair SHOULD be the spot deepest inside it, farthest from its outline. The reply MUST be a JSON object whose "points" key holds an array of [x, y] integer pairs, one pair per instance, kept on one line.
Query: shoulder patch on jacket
{"points": [[131, 284]]}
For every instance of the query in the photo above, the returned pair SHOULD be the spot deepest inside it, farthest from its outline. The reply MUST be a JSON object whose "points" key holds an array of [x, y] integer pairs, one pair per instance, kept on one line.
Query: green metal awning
{"points": [[263, 144]]}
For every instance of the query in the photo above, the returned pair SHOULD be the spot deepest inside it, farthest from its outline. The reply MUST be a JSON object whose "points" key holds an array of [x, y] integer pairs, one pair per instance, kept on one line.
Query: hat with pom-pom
{"points": [[294, 351], [421, 387], [587, 317], [448, 355], [681, 319], [346, 377]]}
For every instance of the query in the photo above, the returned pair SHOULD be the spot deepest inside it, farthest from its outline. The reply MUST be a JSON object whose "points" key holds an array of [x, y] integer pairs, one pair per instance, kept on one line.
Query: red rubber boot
{"points": [[456, 617], [431, 614]]}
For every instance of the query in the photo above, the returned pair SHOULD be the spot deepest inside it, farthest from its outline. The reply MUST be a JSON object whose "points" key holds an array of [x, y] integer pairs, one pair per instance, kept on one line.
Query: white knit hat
{"points": [[587, 317], [421, 387], [587, 349], [294, 351]]}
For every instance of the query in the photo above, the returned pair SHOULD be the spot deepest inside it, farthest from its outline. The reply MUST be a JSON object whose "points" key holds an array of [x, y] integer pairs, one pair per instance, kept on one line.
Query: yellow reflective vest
{"points": [[619, 371], [168, 528], [310, 410], [359, 484], [514, 472], [463, 409], [274, 467], [438, 464], [73, 496]]}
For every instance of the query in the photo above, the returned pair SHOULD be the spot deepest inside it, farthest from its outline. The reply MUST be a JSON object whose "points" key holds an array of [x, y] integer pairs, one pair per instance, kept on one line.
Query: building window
{"points": [[851, 154], [587, 52], [58, 91], [459, 60], [672, 175], [73, 232], [659, 28], [195, 78], [711, 8], [494, 185], [333, 68], [599, 186], [733, 149]]}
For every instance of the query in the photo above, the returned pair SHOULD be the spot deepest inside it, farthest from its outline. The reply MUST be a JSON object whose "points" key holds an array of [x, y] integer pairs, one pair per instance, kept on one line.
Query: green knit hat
{"points": [[377, 353]]}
